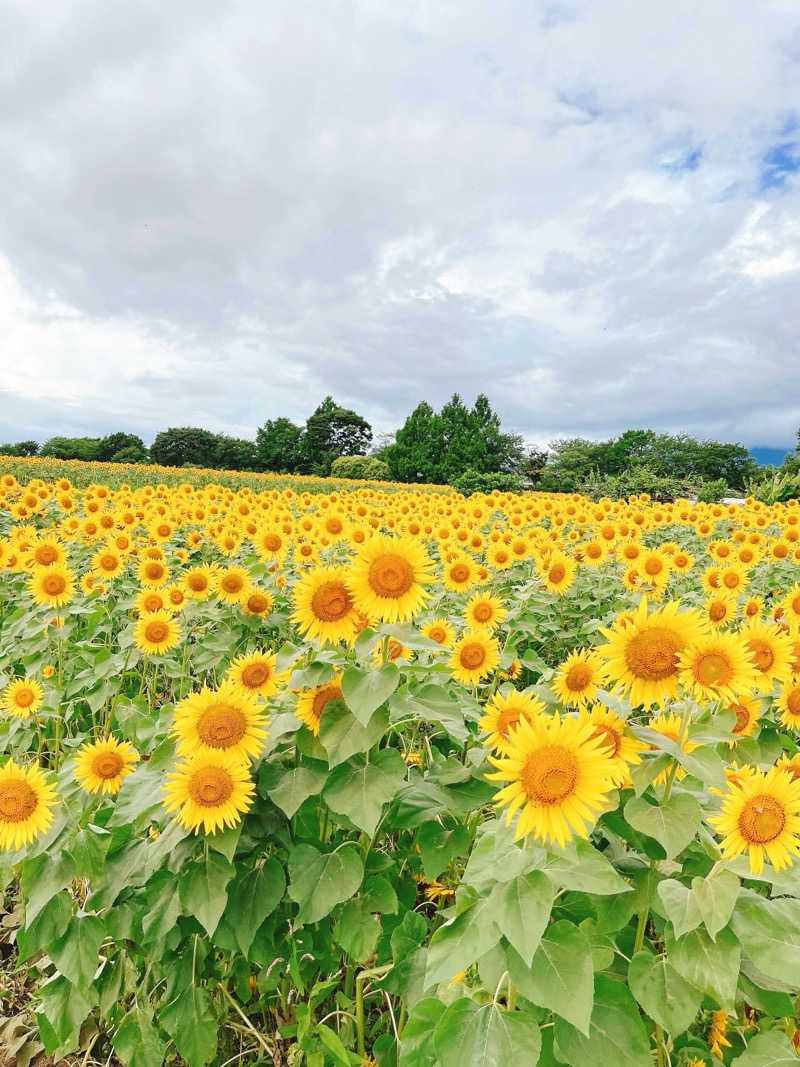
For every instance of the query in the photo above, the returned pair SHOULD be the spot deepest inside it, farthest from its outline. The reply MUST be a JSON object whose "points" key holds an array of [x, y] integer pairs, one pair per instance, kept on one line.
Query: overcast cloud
{"points": [[216, 213]]}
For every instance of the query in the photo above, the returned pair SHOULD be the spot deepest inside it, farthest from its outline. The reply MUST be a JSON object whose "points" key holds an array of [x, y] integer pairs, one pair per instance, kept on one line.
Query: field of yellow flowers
{"points": [[382, 775]]}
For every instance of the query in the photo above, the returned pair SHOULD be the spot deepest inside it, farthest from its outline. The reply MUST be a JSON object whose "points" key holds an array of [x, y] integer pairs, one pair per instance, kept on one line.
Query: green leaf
{"points": [[318, 881], [715, 897], [769, 931], [711, 966], [47, 928], [342, 735], [561, 976], [581, 867], [252, 896], [497, 857], [485, 1036], [192, 1025], [359, 790], [771, 1048], [416, 1041], [667, 998], [163, 899], [61, 1011], [333, 1043], [42, 877], [672, 823], [357, 930], [379, 895], [296, 785], [461, 941], [523, 909], [438, 846], [365, 691], [89, 851], [616, 1035], [137, 1041], [203, 889], [76, 953]]}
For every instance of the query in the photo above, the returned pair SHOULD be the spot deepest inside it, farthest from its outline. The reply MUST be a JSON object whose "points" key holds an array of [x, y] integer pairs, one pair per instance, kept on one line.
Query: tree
{"points": [[131, 454], [415, 454], [234, 453], [84, 448], [117, 442], [533, 464], [20, 448], [278, 444], [330, 432], [182, 445]]}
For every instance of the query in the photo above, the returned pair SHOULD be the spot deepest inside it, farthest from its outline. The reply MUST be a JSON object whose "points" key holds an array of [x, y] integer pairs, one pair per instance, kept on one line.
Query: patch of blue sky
{"points": [[779, 163]]}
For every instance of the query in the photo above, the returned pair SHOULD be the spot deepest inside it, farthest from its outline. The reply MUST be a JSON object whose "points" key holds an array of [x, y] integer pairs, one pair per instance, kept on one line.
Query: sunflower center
{"points": [[18, 801], [556, 573], [653, 653], [156, 631], [653, 566], [321, 698], [54, 584], [763, 656], [742, 717], [506, 719], [45, 554], [255, 674], [390, 575], [197, 582], [333, 525], [717, 611], [107, 764], [232, 583], [436, 633], [221, 725], [712, 668], [23, 698], [331, 601], [210, 786], [550, 774], [154, 570], [108, 563], [153, 602], [593, 551], [482, 612], [459, 572], [610, 738], [762, 819], [578, 676], [793, 702], [472, 655], [271, 542]]}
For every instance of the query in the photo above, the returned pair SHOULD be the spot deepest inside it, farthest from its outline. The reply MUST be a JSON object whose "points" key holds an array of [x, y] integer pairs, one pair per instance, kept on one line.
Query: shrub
{"points": [[472, 481], [367, 467]]}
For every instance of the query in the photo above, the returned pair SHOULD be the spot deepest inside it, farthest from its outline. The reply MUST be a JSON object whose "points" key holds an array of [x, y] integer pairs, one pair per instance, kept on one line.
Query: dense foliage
{"points": [[397, 777]]}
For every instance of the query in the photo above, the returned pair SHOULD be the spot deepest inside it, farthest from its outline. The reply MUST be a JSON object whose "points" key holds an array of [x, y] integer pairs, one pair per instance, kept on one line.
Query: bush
{"points": [[367, 467], [472, 481], [131, 454], [775, 487], [711, 492]]}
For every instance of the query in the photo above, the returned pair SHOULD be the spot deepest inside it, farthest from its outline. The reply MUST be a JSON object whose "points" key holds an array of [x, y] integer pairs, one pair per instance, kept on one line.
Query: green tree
{"points": [[234, 453], [369, 468], [330, 432], [415, 455], [182, 445], [278, 444], [132, 454], [84, 448], [20, 448], [116, 442]]}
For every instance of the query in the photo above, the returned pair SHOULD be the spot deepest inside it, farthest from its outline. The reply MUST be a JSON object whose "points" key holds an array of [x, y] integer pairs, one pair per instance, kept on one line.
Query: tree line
{"points": [[457, 445]]}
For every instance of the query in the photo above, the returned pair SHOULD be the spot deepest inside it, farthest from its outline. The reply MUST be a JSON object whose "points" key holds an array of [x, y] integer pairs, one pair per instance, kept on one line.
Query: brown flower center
{"points": [[472, 655], [390, 575], [107, 764], [762, 819], [54, 584], [221, 725], [712, 669], [549, 774], [459, 572], [578, 677], [18, 801], [763, 655], [210, 786], [653, 653], [331, 601], [156, 631], [255, 674]]}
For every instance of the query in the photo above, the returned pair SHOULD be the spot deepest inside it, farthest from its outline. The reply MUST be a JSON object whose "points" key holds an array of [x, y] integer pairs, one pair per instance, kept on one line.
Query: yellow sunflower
{"points": [[459, 574], [720, 609], [21, 697], [771, 652], [199, 581], [791, 607], [748, 711], [257, 602], [641, 659], [26, 799], [324, 608], [761, 814], [52, 586], [475, 655], [100, 766], [718, 667], [312, 702], [209, 791], [789, 704], [439, 630], [226, 719], [387, 576], [153, 572], [558, 773], [232, 584], [156, 633], [558, 573], [575, 680], [485, 611], [613, 732], [504, 710], [255, 672], [147, 601]]}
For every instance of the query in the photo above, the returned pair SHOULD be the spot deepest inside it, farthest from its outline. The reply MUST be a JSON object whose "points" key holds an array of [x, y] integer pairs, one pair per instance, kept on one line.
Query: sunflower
{"points": [[733, 579], [324, 608], [26, 798], [613, 732], [475, 655], [439, 630], [153, 572], [459, 574], [21, 697], [788, 703], [52, 586], [641, 659], [255, 672], [747, 710], [682, 561], [156, 633], [575, 680], [147, 601], [387, 576], [791, 607], [720, 609], [504, 710], [499, 556], [101, 765], [232, 584], [771, 652], [718, 667], [44, 552], [175, 598], [762, 815], [257, 602], [484, 611], [558, 573], [654, 566], [107, 562], [227, 719], [670, 725], [312, 702], [209, 791], [271, 544], [559, 774], [198, 581]]}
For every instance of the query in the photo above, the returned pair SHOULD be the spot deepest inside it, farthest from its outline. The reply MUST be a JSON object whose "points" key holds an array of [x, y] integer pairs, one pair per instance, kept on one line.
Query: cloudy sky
{"points": [[216, 213]]}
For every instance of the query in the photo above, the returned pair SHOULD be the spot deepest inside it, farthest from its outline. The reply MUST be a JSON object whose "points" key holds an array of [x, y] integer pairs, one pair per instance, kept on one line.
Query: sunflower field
{"points": [[389, 776]]}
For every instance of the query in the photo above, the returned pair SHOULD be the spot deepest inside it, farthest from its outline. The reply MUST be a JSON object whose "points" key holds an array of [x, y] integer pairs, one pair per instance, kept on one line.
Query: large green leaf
{"points": [[715, 897], [137, 1042], [523, 909], [713, 967], [770, 1049], [252, 896], [192, 1025], [42, 877], [296, 785], [561, 976], [616, 1035], [343, 736], [416, 1040], [461, 941], [581, 867], [359, 790], [438, 846], [357, 930], [667, 998], [497, 857], [485, 1036], [365, 691], [62, 1009], [673, 823], [318, 881], [76, 953], [203, 889], [769, 931]]}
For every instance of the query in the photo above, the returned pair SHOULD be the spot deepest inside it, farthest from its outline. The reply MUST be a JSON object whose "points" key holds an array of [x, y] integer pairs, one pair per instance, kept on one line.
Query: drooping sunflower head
{"points": [[226, 719], [719, 666], [156, 633], [771, 652], [484, 611], [100, 766], [761, 815], [576, 680], [324, 607], [504, 710], [209, 790], [387, 578], [613, 732], [311, 703], [748, 710], [255, 672], [22, 697], [475, 655], [26, 800]]}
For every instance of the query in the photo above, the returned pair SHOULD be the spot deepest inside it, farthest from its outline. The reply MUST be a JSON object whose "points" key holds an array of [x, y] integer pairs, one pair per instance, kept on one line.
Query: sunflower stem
{"points": [[641, 925], [659, 1039]]}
